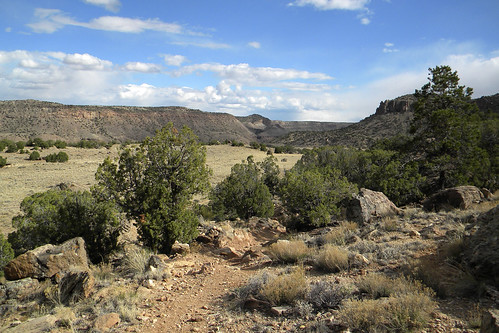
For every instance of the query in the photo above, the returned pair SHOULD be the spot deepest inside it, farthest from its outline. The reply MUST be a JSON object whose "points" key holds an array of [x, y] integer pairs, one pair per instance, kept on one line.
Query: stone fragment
{"points": [[490, 322], [106, 321]]}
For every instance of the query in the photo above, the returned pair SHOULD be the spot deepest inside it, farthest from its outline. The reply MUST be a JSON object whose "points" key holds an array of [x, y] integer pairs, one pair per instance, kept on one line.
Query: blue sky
{"points": [[327, 60]]}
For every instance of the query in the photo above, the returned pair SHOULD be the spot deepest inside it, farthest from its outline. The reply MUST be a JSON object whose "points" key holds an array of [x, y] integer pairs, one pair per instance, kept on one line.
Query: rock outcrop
{"points": [[368, 205], [398, 105], [47, 260], [481, 252], [461, 197]]}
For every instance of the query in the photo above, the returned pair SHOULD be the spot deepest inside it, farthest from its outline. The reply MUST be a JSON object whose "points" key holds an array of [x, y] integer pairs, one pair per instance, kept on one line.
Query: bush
{"points": [[11, 148], [60, 144], [38, 142], [313, 197], [60, 157], [6, 253], [289, 251], [34, 156], [326, 295], [155, 182], [340, 234], [243, 193], [332, 259], [3, 162], [285, 288], [55, 216]]}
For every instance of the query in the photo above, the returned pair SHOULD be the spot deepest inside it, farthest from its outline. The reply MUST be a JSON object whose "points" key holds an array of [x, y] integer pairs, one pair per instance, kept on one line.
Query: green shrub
{"points": [[20, 145], [34, 156], [3, 162], [243, 193], [155, 183], [237, 144], [11, 147], [55, 216], [60, 157], [60, 144], [6, 253], [38, 142], [313, 197]]}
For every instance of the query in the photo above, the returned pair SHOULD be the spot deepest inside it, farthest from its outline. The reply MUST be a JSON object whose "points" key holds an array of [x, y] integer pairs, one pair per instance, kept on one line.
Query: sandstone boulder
{"points": [[265, 228], [461, 197], [18, 289], [180, 248], [490, 322], [48, 260], [75, 285], [368, 205], [481, 252], [106, 321]]}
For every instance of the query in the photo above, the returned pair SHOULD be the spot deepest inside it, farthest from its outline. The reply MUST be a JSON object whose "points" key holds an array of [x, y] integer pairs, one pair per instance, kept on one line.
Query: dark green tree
{"points": [[244, 193], [3, 162], [313, 196], [447, 133], [154, 184]]}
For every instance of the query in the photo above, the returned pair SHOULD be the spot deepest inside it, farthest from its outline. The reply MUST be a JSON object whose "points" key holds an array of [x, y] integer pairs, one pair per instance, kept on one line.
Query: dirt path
{"points": [[191, 300]]}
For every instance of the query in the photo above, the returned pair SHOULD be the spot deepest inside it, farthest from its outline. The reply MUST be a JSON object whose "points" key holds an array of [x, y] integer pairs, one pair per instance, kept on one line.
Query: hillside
{"points": [[392, 118], [24, 119], [266, 129]]}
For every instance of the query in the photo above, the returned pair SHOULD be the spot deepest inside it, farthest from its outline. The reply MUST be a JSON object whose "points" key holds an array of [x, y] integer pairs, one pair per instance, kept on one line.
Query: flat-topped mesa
{"points": [[398, 105]]}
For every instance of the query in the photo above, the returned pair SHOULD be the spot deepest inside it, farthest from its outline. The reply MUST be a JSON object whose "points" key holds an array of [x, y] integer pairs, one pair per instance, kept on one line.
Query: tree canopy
{"points": [[154, 183]]}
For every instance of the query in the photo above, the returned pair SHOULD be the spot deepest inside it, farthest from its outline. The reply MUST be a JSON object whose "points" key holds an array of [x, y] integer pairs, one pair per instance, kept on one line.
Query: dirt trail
{"points": [[191, 300]]}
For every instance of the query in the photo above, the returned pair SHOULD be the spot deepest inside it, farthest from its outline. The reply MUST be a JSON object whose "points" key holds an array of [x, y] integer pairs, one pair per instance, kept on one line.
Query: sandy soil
{"points": [[23, 177]]}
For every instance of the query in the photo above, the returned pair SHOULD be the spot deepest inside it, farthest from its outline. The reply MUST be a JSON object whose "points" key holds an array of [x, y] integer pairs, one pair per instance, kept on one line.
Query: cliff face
{"points": [[29, 118], [398, 105]]}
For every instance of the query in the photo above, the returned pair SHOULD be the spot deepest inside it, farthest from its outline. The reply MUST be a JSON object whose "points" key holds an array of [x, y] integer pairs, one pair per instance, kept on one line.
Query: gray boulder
{"points": [[461, 197], [368, 205]]}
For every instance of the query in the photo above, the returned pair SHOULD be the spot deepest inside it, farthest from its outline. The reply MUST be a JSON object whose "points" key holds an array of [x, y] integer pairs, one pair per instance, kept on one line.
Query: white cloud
{"points": [[51, 20], [8, 29], [365, 20], [333, 4], [244, 74], [174, 60], [477, 72], [111, 5], [86, 62], [239, 89], [389, 48], [142, 67], [255, 45]]}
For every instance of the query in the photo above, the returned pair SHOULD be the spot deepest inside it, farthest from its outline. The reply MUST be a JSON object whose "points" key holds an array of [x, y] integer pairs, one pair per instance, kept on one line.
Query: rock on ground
{"points": [[461, 197], [367, 205], [47, 260]]}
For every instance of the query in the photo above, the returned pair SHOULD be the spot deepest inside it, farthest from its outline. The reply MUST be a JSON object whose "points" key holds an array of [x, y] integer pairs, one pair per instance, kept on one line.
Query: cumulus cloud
{"points": [[389, 48], [86, 62], [111, 5], [174, 60], [239, 89], [51, 20], [142, 67], [255, 45]]}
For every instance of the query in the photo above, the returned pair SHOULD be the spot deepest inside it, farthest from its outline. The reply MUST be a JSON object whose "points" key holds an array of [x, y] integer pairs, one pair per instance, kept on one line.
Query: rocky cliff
{"points": [[23, 119]]}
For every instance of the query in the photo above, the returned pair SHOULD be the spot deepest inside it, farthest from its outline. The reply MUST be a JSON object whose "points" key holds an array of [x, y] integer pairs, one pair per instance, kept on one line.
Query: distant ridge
{"points": [[392, 118]]}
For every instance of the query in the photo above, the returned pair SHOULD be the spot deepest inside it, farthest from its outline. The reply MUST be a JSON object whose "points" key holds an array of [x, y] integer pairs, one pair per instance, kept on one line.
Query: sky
{"points": [[323, 60]]}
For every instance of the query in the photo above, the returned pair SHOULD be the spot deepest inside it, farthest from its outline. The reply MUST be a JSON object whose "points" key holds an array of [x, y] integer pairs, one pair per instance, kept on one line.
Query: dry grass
{"points": [[340, 234], [135, 261], [332, 258], [285, 288], [289, 251], [22, 177], [401, 312]]}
